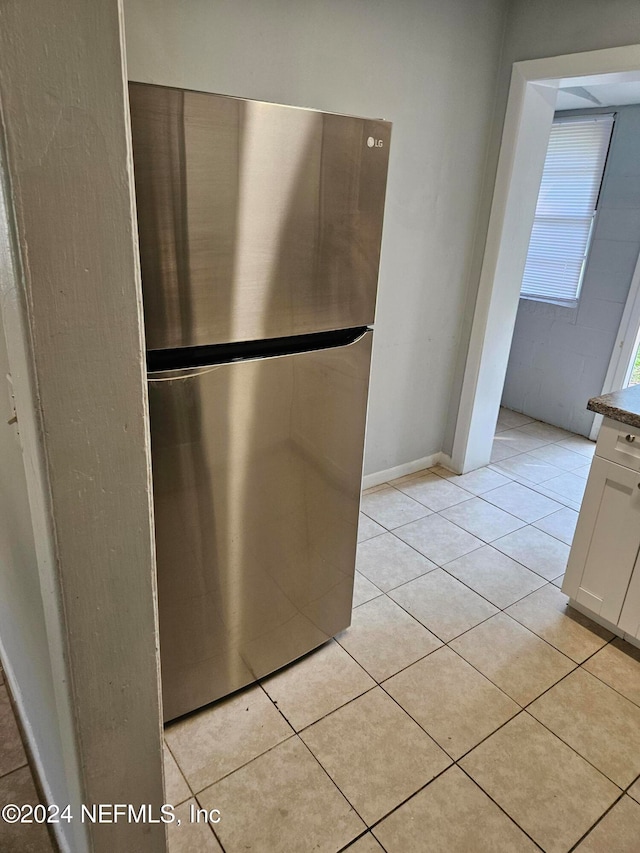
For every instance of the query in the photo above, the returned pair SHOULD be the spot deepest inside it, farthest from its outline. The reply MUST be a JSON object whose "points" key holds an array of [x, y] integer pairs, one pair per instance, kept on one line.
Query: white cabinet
{"points": [[630, 617], [603, 573]]}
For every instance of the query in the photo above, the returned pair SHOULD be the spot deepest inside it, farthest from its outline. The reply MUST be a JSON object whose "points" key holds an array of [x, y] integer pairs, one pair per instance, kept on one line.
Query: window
{"points": [[566, 208]]}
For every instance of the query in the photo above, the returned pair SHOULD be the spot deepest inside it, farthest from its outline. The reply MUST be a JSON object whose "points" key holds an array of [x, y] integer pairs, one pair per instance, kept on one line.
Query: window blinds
{"points": [[566, 207]]}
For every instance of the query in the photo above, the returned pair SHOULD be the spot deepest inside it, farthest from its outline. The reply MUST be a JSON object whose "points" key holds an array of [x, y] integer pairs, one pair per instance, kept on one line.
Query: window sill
{"points": [[560, 303]]}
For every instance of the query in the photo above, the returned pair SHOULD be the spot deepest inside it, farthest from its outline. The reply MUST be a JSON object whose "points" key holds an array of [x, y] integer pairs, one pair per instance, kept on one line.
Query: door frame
{"points": [[528, 118], [625, 347]]}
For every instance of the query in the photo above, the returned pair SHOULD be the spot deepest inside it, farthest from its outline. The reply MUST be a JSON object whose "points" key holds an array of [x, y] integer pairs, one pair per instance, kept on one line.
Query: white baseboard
{"points": [[447, 462], [379, 477]]}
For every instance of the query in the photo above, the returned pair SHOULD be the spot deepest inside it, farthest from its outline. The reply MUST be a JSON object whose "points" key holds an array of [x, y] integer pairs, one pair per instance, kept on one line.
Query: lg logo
{"points": [[374, 143]]}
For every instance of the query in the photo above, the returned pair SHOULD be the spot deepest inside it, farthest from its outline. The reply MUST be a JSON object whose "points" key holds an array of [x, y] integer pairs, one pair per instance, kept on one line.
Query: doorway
{"points": [[530, 110], [624, 367], [634, 378]]}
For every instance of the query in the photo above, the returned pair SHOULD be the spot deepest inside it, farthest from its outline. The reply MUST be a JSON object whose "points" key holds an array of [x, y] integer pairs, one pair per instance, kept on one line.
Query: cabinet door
{"points": [[630, 616], [607, 540]]}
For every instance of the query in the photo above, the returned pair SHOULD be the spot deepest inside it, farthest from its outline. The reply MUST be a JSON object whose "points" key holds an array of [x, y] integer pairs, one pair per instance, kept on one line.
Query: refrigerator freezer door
{"points": [[255, 220], [257, 470]]}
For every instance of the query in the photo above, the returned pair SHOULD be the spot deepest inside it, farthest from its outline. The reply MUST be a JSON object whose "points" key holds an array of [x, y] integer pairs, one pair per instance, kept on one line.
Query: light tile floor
{"points": [[467, 708]]}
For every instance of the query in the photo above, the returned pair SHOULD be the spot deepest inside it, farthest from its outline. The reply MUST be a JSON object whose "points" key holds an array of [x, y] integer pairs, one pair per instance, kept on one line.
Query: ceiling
{"points": [[594, 95]]}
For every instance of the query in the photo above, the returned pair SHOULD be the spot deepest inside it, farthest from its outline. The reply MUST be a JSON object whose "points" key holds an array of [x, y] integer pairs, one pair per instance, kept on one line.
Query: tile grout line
{"points": [[472, 627], [615, 689], [13, 769], [467, 630], [490, 544], [431, 631], [545, 582], [210, 825], [410, 797], [593, 826], [406, 800], [497, 804], [597, 651], [555, 734], [211, 706], [187, 783], [328, 775], [273, 702], [358, 838], [215, 835], [536, 487], [575, 663], [506, 473], [454, 761], [468, 586], [627, 789], [380, 683], [527, 485], [245, 764], [483, 541]]}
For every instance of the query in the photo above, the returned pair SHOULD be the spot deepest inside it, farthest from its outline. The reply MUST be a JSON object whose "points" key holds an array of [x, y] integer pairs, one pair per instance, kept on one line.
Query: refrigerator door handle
{"points": [[186, 373], [360, 336], [196, 361]]}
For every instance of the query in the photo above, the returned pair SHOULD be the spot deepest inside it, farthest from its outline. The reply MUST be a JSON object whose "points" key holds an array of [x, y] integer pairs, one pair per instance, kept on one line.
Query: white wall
{"points": [[430, 68], [24, 644], [535, 29], [559, 355]]}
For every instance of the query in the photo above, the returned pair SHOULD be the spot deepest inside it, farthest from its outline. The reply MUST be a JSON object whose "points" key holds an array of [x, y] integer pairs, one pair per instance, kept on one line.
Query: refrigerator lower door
{"points": [[257, 470]]}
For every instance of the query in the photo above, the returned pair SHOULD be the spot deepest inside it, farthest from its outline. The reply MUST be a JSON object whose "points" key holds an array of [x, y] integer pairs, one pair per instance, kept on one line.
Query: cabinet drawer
{"points": [[607, 539], [619, 443]]}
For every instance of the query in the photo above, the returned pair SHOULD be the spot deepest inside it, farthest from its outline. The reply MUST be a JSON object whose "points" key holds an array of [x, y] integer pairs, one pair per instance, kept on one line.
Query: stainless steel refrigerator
{"points": [[260, 229]]}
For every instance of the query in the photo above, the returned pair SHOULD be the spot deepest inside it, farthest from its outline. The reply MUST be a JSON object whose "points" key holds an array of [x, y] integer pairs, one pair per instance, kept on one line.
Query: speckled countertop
{"points": [[622, 406]]}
